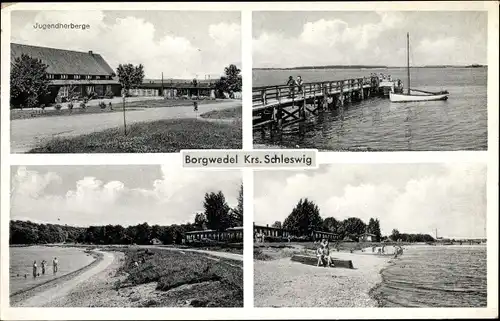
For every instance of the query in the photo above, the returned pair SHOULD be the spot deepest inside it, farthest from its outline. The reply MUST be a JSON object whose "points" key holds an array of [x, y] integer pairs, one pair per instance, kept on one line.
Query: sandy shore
{"points": [[283, 283]]}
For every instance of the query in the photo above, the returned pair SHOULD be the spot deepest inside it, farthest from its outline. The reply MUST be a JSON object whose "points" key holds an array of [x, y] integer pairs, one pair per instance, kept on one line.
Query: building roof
{"points": [[236, 228], [61, 61], [174, 85], [66, 82], [268, 227]]}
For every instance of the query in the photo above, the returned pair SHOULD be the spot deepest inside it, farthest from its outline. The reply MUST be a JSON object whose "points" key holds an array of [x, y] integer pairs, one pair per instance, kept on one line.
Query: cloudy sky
{"points": [[86, 195], [413, 198], [290, 39], [179, 44]]}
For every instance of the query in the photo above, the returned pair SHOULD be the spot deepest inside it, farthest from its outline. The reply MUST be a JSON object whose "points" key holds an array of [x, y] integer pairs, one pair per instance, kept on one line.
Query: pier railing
{"points": [[270, 95]]}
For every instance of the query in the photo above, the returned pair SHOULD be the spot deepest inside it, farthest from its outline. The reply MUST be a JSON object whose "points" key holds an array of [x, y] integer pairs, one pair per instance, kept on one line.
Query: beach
{"points": [[107, 281], [283, 283]]}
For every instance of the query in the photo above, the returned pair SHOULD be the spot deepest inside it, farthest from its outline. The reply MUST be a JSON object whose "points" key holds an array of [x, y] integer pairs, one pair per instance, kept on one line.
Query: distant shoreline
{"points": [[369, 67]]}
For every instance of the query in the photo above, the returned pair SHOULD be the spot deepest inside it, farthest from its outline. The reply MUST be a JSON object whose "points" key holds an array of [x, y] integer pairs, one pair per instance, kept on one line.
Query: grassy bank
{"points": [[116, 107], [163, 136], [184, 277], [228, 113]]}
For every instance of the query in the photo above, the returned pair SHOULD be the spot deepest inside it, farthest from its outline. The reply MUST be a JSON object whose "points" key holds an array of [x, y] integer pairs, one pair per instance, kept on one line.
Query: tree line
{"points": [[217, 215], [305, 218]]}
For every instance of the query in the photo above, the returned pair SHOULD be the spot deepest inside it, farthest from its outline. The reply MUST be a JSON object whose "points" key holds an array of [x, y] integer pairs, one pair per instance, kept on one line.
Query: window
{"points": [[64, 76], [97, 77], [76, 77], [89, 77]]}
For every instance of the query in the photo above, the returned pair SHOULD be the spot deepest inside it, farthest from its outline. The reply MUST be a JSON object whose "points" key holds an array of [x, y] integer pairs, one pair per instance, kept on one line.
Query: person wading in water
{"points": [[43, 266], [54, 265]]}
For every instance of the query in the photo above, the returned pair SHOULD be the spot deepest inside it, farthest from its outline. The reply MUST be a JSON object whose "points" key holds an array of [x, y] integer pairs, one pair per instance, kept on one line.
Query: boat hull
{"points": [[402, 98]]}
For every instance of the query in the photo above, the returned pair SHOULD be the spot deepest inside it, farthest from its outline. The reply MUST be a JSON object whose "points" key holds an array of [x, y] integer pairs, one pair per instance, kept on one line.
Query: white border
{"points": [[491, 157]]}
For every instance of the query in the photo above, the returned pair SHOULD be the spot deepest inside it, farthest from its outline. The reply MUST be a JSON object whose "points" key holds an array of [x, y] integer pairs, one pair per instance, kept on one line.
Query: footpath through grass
{"points": [[201, 280], [162, 136]]}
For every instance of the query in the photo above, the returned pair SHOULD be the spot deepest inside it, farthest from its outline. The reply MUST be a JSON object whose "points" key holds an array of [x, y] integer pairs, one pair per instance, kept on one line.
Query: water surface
{"points": [[435, 276], [21, 263]]}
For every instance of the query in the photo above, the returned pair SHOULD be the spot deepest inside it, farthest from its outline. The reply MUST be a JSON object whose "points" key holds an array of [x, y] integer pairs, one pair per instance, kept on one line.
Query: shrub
{"points": [[70, 106], [102, 105], [58, 107], [109, 93], [82, 105], [42, 106], [85, 99]]}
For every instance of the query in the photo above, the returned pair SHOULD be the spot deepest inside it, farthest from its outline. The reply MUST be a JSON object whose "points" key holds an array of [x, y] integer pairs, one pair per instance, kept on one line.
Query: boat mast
{"points": [[408, 59]]}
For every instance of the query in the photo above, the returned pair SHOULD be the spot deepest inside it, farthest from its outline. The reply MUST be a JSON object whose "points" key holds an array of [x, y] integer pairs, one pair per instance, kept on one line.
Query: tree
{"points": [[230, 83], [200, 221], [277, 224], [304, 218], [353, 227], [395, 235], [330, 224], [129, 75], [28, 81], [216, 211], [374, 228], [237, 212]]}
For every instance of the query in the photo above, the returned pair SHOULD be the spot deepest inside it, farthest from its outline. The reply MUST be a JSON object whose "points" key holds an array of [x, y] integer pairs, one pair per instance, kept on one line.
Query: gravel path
{"points": [[59, 290], [226, 255], [26, 134], [283, 283]]}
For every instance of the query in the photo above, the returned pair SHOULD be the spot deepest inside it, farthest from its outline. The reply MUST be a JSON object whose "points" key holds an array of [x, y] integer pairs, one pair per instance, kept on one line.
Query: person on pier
{"points": [[300, 83], [291, 86]]}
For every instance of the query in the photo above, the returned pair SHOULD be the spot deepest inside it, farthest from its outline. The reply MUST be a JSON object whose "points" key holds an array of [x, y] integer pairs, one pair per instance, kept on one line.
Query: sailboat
{"points": [[419, 95]]}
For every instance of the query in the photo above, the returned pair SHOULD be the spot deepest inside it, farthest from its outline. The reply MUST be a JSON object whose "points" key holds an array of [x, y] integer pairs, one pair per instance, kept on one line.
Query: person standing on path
{"points": [[54, 265], [35, 268]]}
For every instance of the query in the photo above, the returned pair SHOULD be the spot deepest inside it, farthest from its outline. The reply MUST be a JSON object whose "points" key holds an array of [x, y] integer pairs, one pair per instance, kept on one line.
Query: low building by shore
{"points": [[232, 234]]}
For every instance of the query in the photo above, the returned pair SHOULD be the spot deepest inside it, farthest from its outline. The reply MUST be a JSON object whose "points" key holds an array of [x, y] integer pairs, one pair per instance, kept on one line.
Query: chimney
{"points": [[267, 225], [90, 52]]}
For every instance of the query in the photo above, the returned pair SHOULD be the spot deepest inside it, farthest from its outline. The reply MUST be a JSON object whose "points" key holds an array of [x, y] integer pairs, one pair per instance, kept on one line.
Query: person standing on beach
{"points": [[35, 268], [54, 265]]}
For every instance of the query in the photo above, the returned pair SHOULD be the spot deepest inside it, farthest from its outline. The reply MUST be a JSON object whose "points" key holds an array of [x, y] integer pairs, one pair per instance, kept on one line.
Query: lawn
{"points": [[228, 113], [203, 281], [116, 107], [162, 136]]}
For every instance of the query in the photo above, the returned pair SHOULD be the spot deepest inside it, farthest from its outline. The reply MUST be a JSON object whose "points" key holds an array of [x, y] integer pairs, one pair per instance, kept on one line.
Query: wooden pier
{"points": [[276, 107]]}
